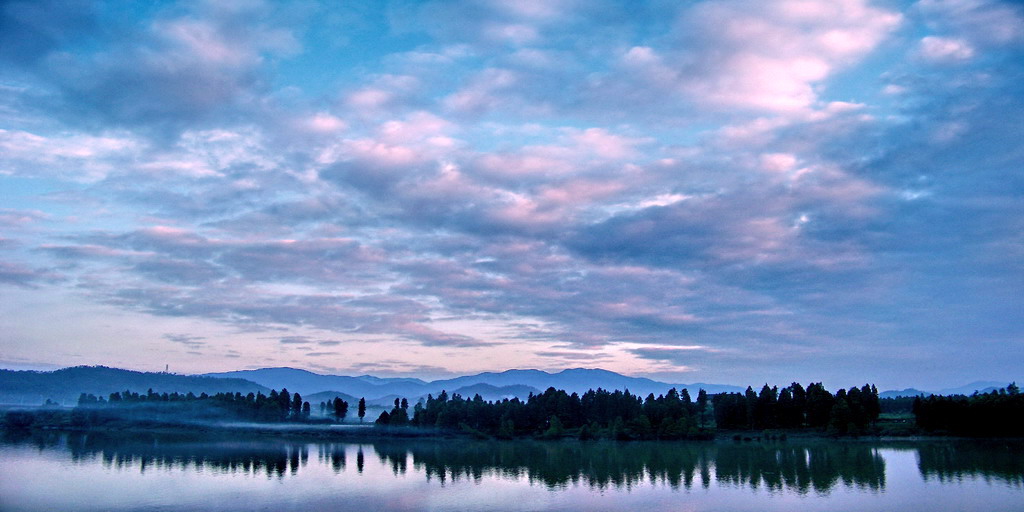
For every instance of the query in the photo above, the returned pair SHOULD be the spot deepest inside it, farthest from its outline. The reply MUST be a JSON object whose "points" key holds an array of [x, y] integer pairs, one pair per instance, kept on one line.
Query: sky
{"points": [[725, 191]]}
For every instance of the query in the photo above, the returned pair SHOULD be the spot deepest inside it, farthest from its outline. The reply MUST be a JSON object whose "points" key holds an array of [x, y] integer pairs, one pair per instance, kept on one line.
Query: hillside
{"points": [[982, 386], [324, 396], [306, 382], [381, 390], [496, 393], [65, 385]]}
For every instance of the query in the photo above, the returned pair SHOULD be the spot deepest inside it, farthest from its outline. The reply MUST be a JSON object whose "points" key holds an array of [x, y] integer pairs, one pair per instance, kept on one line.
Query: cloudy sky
{"points": [[731, 191]]}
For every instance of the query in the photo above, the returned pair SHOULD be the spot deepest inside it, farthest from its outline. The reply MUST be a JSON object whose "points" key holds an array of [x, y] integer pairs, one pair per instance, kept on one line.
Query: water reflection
{"points": [[333, 455], [813, 467], [999, 461], [799, 468], [152, 452]]}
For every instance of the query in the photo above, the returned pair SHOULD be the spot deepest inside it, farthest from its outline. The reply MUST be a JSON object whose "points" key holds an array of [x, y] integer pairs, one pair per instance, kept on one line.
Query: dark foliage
{"points": [[602, 465], [998, 413], [556, 414], [848, 411], [897, 405], [276, 407], [622, 415]]}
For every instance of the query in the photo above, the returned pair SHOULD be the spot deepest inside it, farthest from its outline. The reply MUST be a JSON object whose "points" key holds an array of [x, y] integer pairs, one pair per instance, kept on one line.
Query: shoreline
{"points": [[371, 432], [37, 419]]}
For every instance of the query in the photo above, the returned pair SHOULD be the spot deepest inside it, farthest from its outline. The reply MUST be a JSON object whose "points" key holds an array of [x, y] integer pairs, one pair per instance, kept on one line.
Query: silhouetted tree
{"points": [[340, 409], [840, 418], [765, 408], [788, 414], [399, 417], [702, 406], [750, 402], [997, 413], [819, 405]]}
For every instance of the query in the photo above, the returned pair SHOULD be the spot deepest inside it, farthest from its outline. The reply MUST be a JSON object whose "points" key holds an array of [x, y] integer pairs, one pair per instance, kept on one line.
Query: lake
{"points": [[54, 471]]}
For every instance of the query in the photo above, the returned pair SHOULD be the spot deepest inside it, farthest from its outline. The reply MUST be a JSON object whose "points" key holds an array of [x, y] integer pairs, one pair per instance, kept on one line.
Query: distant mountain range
{"points": [[981, 386], [65, 385], [306, 382], [486, 391], [490, 385]]}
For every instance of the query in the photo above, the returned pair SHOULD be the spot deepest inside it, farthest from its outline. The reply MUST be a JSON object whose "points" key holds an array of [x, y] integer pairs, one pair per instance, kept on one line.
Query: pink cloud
{"points": [[575, 152], [369, 98], [523, 211], [530, 161], [383, 154], [642, 308], [942, 49], [771, 55], [778, 162], [579, 192], [416, 126], [418, 138], [77, 157], [606, 145], [323, 122], [382, 93]]}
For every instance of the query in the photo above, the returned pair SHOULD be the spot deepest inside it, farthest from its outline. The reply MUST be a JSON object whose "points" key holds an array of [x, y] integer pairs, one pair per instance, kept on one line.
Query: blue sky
{"points": [[730, 191]]}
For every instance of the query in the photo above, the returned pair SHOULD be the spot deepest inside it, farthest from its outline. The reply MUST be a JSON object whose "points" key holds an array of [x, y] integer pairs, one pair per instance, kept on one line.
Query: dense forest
{"points": [[595, 414], [151, 406], [555, 413], [848, 411], [177, 408], [998, 413], [621, 415]]}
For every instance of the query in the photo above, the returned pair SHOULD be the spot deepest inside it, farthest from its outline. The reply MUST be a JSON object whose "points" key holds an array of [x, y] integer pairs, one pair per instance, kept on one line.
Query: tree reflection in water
{"points": [[332, 454], [801, 467], [153, 453], [997, 460]]}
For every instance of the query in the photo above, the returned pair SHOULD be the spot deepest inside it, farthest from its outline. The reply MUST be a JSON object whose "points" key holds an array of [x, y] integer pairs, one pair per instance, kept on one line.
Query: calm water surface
{"points": [[92, 472]]}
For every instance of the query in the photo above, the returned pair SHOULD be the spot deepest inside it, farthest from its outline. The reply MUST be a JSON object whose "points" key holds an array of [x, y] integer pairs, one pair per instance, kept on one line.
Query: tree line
{"points": [[276, 407], [609, 414], [338, 408], [622, 415], [848, 411], [997, 413], [555, 413]]}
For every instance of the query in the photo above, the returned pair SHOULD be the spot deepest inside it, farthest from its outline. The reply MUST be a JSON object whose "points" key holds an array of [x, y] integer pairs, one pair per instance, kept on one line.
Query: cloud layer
{"points": [[728, 191]]}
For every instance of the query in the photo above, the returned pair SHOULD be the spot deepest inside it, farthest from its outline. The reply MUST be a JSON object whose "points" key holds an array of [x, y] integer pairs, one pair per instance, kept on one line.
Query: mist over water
{"points": [[152, 472]]}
